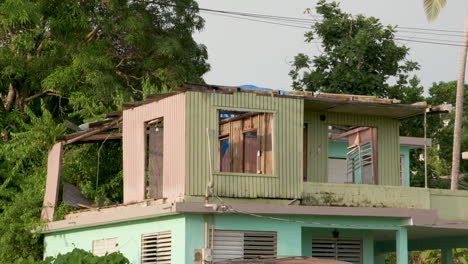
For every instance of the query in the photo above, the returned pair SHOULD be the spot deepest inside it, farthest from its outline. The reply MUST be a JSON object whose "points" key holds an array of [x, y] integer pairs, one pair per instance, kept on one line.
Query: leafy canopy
{"points": [[359, 56], [75, 60], [78, 256]]}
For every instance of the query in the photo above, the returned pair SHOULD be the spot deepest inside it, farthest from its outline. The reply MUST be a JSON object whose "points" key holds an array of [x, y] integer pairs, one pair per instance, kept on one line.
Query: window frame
{"points": [[216, 161]]}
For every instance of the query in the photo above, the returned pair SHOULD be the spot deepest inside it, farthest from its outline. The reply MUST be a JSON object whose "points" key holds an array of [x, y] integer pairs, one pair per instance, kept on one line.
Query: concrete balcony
{"points": [[447, 203]]}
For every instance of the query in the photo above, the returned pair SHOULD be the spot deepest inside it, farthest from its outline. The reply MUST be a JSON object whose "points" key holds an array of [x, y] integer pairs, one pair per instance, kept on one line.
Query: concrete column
{"points": [[368, 247], [402, 245], [447, 256]]}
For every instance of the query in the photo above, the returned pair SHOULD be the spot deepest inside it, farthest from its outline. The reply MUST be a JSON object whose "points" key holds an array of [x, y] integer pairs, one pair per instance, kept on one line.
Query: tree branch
{"points": [[10, 97], [48, 91]]}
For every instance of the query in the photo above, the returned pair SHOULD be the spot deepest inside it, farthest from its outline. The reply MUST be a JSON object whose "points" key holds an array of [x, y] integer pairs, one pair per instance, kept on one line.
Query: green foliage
{"points": [[433, 7], [76, 60], [360, 56], [459, 256], [78, 256], [440, 129]]}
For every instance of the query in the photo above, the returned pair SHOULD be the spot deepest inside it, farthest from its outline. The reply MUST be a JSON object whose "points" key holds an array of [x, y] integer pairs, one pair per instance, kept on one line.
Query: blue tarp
{"points": [[253, 87]]}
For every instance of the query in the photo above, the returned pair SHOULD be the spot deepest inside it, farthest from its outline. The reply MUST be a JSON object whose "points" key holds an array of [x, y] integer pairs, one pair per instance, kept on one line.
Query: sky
{"points": [[247, 52]]}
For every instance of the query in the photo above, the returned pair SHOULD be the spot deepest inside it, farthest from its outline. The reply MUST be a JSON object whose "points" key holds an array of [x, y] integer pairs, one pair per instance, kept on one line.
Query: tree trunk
{"points": [[459, 111]]}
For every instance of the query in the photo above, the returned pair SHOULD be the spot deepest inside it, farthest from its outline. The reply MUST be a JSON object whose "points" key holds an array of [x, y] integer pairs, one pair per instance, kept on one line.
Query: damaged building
{"points": [[213, 172]]}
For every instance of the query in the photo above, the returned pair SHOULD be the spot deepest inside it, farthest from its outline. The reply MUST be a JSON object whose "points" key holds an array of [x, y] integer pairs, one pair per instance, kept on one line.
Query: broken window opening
{"points": [[154, 158], [245, 142], [352, 156]]}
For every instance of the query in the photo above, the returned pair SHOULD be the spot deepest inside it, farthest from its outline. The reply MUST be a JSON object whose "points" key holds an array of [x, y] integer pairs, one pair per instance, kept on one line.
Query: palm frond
{"points": [[432, 8]]}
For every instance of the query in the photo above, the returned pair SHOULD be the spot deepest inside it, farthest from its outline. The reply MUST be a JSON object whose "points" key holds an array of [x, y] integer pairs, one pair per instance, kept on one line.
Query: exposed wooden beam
{"points": [[92, 132], [231, 119], [157, 97], [94, 138], [114, 114]]}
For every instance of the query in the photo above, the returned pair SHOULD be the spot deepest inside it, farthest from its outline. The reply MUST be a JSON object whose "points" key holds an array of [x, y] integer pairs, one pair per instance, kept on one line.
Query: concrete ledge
{"points": [[110, 215], [365, 195]]}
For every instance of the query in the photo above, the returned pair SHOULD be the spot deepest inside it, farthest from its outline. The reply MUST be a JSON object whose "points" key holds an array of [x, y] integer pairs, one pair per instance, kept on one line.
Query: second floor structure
{"points": [[316, 149]]}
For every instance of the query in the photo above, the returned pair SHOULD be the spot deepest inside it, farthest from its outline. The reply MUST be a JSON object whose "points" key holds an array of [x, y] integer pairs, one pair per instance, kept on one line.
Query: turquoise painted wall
{"points": [[294, 236], [405, 150], [128, 234], [337, 149]]}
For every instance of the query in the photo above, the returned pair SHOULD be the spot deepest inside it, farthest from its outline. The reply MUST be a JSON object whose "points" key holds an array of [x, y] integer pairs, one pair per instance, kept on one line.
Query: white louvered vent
{"points": [[156, 248], [336, 248], [105, 246], [229, 244]]}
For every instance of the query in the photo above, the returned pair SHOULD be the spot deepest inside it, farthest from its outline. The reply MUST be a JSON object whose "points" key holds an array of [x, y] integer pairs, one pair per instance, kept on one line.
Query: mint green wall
{"points": [[194, 236], [294, 236], [128, 234], [337, 149]]}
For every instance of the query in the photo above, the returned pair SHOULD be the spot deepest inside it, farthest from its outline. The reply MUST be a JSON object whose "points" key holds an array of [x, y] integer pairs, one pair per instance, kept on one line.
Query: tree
{"points": [[360, 56], [78, 256], [442, 128], [432, 8], [76, 60]]}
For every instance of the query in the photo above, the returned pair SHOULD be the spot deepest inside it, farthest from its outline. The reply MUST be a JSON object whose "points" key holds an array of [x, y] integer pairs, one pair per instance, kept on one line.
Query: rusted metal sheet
{"points": [[173, 112], [284, 181], [54, 166]]}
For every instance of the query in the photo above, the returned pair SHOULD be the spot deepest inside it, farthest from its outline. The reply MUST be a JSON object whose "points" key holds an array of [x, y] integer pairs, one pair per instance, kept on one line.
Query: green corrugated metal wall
{"points": [[288, 114], [387, 136]]}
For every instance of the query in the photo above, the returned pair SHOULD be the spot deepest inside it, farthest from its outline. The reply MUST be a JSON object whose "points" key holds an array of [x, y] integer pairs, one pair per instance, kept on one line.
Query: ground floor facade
{"points": [[174, 238]]}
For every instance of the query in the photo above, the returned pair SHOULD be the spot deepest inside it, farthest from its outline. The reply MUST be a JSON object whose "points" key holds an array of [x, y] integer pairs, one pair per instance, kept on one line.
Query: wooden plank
{"points": [[255, 91], [54, 168], [250, 123], [93, 132], [94, 138], [128, 105], [157, 97], [267, 146], [155, 163], [250, 147], [100, 123], [298, 93], [114, 114], [235, 118], [237, 146], [361, 98]]}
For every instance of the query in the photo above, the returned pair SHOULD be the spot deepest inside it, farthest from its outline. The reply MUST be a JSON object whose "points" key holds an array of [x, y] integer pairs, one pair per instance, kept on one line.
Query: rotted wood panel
{"points": [[155, 163], [285, 179]]}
